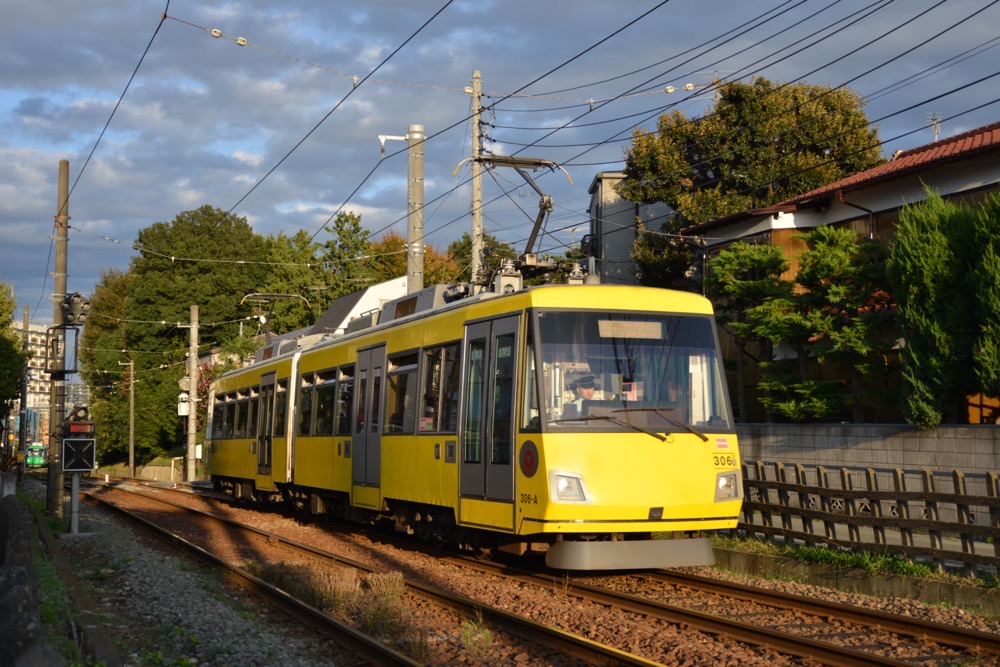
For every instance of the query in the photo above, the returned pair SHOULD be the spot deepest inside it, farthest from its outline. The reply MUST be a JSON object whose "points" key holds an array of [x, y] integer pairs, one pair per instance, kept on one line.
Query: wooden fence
{"points": [[947, 518]]}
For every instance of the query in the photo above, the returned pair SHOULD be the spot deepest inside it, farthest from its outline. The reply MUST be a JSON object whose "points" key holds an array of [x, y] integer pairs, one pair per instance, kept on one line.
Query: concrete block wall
{"points": [[972, 449]]}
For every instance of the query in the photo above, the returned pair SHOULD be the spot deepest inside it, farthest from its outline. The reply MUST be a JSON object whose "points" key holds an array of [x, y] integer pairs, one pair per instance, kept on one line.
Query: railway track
{"points": [[575, 649], [805, 629], [961, 639], [808, 629]]}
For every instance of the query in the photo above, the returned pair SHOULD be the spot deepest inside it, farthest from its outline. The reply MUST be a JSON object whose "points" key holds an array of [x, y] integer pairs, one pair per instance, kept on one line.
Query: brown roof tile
{"points": [[980, 140]]}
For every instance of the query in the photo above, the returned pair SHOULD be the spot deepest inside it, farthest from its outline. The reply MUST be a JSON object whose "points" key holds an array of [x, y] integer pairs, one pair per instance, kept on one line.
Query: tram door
{"points": [[488, 412], [265, 424], [367, 446]]}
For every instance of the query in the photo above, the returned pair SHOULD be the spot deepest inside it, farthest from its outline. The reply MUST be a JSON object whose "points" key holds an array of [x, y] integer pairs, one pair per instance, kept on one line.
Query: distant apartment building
{"points": [[37, 400], [613, 228]]}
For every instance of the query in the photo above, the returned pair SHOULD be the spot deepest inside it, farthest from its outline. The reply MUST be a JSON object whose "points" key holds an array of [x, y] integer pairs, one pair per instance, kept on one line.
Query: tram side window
{"points": [[240, 421], [280, 408], [217, 417], [242, 414], [306, 403], [252, 412], [345, 394], [362, 388], [474, 389], [530, 416], [441, 385], [326, 399], [503, 398], [401, 393], [229, 420]]}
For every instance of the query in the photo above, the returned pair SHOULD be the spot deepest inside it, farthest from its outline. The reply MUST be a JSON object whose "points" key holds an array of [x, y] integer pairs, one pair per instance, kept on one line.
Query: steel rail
{"points": [[517, 625], [364, 645], [788, 644], [941, 633]]}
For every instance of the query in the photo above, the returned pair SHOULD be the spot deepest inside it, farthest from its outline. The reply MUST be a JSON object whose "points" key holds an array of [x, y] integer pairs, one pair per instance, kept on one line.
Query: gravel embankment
{"points": [[159, 609], [166, 611]]}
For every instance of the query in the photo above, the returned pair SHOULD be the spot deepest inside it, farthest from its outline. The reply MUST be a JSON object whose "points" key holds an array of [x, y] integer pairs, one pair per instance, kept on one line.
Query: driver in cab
{"points": [[583, 388]]}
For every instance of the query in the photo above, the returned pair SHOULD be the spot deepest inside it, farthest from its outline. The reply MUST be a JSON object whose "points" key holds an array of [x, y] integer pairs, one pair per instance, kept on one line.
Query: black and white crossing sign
{"points": [[78, 454]]}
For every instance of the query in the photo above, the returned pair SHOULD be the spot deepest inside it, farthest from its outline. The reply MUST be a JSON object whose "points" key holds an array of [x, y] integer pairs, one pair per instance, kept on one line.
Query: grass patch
{"points": [[380, 609], [872, 563], [53, 605], [326, 590], [375, 602], [476, 637]]}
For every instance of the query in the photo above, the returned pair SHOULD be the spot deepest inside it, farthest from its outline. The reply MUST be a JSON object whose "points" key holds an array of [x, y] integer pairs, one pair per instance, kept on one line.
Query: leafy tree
{"points": [[12, 354], [836, 310], [494, 252], [206, 257], [662, 258], [985, 285], [295, 270], [844, 276], [389, 261], [741, 278], [222, 260], [760, 144], [346, 256], [103, 351], [943, 267], [791, 320]]}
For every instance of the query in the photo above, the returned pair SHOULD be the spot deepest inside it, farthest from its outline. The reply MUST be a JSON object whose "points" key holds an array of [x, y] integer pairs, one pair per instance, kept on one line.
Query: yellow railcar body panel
{"points": [[626, 476], [237, 457], [612, 298], [486, 514], [414, 469], [320, 463], [366, 496], [234, 458]]}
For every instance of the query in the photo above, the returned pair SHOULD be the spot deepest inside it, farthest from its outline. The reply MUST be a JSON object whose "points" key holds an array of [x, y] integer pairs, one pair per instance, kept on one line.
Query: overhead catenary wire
{"points": [[340, 103], [452, 190]]}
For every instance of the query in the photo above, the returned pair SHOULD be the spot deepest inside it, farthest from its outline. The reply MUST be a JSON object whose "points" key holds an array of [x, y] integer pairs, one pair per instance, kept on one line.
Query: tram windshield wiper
{"points": [[662, 413], [611, 419]]}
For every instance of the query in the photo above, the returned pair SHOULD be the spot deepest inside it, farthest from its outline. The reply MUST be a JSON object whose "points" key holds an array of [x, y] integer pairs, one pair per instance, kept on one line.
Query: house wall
{"points": [[613, 229]]}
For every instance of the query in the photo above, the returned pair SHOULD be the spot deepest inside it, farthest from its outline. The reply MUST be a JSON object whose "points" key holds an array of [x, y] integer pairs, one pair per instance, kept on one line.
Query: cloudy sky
{"points": [[283, 128]]}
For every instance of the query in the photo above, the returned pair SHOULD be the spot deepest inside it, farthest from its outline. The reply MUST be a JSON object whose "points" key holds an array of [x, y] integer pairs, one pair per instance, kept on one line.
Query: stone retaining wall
{"points": [[973, 449], [21, 630]]}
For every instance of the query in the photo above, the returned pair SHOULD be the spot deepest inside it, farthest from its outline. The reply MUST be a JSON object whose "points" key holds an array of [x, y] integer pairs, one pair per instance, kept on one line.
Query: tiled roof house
{"points": [[964, 166]]}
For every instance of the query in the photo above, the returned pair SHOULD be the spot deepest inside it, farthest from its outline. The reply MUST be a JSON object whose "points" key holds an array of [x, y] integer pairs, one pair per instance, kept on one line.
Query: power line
{"points": [[342, 100]]}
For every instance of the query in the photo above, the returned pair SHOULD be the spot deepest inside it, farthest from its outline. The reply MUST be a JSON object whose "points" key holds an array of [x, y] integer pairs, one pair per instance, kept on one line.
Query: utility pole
{"points": [[131, 414], [477, 177], [414, 203], [57, 391], [190, 468], [22, 433], [415, 209]]}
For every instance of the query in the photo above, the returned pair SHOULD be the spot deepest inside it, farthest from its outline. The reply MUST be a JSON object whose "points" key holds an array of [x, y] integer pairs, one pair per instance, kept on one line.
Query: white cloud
{"points": [[205, 120]]}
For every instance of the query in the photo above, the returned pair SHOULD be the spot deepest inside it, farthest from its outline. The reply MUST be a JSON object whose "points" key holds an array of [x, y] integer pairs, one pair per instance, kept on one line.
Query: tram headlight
{"points": [[567, 487], [727, 486]]}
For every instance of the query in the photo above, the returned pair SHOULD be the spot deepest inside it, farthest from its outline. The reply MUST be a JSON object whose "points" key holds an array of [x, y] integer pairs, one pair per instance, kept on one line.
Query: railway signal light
{"points": [[78, 422], [78, 445], [75, 308]]}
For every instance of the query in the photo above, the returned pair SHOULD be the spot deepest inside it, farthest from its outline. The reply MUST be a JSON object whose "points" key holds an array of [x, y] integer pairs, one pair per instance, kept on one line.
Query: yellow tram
{"points": [[583, 421]]}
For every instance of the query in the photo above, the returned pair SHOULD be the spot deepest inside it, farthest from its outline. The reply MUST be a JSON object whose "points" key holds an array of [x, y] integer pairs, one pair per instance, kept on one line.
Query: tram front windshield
{"points": [[626, 371]]}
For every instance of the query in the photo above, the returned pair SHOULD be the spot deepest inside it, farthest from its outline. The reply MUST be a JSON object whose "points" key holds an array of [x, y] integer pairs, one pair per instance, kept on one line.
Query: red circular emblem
{"points": [[529, 459]]}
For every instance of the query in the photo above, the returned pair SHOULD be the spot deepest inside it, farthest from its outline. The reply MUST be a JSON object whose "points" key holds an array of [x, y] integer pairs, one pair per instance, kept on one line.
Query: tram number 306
{"points": [[724, 460]]}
